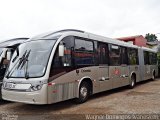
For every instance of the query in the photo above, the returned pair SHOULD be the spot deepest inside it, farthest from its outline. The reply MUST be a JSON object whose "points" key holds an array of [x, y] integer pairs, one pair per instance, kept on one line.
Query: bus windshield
{"points": [[30, 59]]}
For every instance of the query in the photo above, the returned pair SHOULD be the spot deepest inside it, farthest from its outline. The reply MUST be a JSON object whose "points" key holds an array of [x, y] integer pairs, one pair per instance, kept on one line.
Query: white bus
{"points": [[69, 64], [6, 51]]}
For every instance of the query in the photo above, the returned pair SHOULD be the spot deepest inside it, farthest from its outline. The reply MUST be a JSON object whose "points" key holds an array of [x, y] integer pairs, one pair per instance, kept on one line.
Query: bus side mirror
{"points": [[61, 49], [9, 55]]}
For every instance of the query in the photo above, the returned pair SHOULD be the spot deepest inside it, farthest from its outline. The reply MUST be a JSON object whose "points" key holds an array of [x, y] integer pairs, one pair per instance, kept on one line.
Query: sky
{"points": [[109, 18]]}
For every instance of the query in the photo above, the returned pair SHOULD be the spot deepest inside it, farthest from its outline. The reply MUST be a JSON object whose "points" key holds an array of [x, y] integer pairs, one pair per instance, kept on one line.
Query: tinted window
{"points": [[114, 55], [153, 58], [68, 52], [67, 58], [83, 45], [133, 56], [124, 56], [146, 58], [84, 52], [60, 65], [103, 53]]}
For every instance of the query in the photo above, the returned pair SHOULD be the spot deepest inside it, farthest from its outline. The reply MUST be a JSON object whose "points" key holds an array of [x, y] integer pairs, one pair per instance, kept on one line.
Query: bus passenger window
{"points": [[63, 64], [114, 55], [66, 60], [68, 51], [103, 53], [83, 45], [146, 58], [84, 52], [133, 57], [152, 58], [124, 57]]}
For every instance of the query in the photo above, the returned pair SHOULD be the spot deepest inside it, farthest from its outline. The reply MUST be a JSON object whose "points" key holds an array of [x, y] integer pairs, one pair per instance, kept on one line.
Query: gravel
{"points": [[143, 99]]}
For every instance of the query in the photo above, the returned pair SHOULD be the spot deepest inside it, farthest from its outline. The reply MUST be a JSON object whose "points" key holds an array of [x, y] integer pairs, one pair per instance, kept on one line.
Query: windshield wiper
{"points": [[19, 61], [25, 61], [22, 59]]}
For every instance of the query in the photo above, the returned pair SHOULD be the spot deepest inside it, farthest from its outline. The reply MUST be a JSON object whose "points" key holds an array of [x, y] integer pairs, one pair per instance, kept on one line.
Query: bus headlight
{"points": [[36, 87]]}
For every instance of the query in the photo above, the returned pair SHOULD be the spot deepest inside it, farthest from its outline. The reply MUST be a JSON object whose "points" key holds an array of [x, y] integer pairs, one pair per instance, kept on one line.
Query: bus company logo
{"points": [[84, 70], [116, 72]]}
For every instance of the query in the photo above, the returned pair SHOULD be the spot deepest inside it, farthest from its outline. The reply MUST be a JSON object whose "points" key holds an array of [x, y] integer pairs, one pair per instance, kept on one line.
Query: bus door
{"points": [[115, 65], [134, 63], [124, 75], [147, 73], [103, 69], [114, 74], [124, 67]]}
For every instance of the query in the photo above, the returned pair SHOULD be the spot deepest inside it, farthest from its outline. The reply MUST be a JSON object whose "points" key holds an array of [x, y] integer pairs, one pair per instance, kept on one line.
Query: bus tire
{"points": [[132, 82], [84, 92]]}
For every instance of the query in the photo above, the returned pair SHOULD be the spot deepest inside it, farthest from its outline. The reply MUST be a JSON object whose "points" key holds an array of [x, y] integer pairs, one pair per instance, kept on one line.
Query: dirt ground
{"points": [[143, 99]]}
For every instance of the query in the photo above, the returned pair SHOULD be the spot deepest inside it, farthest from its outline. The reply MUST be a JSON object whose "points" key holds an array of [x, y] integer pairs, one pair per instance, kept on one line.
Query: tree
{"points": [[151, 37]]}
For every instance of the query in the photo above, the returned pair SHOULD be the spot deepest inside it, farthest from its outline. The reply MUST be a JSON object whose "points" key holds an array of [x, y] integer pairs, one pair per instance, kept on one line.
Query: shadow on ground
{"points": [[2, 102]]}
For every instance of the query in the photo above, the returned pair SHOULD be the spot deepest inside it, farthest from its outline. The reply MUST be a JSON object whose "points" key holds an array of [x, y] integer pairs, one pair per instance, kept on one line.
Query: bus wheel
{"points": [[83, 92], [133, 82]]}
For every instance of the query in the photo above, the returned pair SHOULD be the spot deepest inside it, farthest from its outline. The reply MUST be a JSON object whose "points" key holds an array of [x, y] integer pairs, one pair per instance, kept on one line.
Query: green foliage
{"points": [[151, 37], [158, 57]]}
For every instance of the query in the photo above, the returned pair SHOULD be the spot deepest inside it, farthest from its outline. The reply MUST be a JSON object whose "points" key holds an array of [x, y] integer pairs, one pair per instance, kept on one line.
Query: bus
{"points": [[6, 50], [69, 64]]}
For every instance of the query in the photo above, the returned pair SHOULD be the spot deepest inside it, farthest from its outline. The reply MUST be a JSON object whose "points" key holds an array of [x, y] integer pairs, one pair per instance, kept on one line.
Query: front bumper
{"points": [[35, 97]]}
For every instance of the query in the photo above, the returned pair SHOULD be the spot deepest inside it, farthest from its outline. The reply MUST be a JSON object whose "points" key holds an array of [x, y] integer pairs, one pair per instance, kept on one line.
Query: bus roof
{"points": [[110, 40], [148, 49], [12, 42], [88, 35]]}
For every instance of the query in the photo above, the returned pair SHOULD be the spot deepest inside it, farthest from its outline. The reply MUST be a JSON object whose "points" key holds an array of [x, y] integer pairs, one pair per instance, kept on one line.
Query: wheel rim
{"points": [[132, 82], [83, 92], [153, 77]]}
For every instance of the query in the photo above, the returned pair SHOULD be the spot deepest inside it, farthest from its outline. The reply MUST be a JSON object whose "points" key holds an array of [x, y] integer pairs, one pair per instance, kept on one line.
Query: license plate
{"points": [[10, 85], [17, 86]]}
